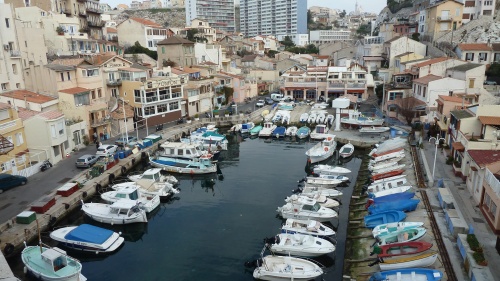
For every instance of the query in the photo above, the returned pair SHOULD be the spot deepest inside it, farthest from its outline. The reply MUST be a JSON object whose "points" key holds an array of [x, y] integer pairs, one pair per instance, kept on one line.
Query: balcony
{"points": [[492, 181], [93, 10], [336, 85], [200, 97], [444, 19], [99, 122], [82, 13], [96, 23], [114, 83], [15, 54], [356, 85]]}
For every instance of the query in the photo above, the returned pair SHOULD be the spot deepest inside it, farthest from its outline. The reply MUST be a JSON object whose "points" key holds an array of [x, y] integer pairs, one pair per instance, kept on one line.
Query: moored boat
{"points": [[374, 130], [255, 130], [401, 249], [329, 119], [314, 190], [310, 227], [148, 202], [286, 268], [322, 150], [154, 175], [387, 174], [384, 163], [400, 236], [397, 154], [410, 274], [301, 245], [87, 238], [303, 117], [267, 130], [246, 127], [306, 211], [201, 165], [320, 132], [164, 191], [330, 170], [372, 221], [279, 132], [346, 150], [394, 197], [401, 205], [394, 226], [322, 200], [291, 131], [389, 191], [303, 132], [327, 182], [420, 260], [387, 183], [356, 118], [388, 169], [120, 212]]}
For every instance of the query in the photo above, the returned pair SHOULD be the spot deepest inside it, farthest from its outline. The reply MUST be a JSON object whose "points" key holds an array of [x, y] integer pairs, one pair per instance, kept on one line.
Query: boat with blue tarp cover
{"points": [[419, 274], [400, 205], [202, 165], [87, 237], [384, 217], [279, 132], [394, 197], [303, 132]]}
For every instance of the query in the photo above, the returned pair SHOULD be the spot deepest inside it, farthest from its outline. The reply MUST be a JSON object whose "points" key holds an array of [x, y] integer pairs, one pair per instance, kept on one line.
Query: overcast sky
{"points": [[374, 6]]}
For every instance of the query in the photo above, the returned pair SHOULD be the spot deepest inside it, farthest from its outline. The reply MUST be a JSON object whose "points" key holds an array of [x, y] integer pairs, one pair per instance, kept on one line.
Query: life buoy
{"points": [[326, 148], [295, 210], [329, 138]]}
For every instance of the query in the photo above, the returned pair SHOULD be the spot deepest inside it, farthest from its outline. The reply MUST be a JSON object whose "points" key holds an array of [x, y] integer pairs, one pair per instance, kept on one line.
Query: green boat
{"points": [[255, 131], [404, 235]]}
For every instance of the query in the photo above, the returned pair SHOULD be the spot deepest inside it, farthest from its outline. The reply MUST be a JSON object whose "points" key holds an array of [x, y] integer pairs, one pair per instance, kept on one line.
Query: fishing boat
{"points": [[267, 130], [392, 173], [394, 197], [356, 118], [202, 165], [255, 130], [320, 132], [374, 130], [304, 117], [314, 190], [329, 119], [300, 245], [312, 117], [51, 264], [326, 182], [330, 170], [401, 249], [303, 199], [306, 211], [246, 127], [279, 132], [303, 132], [148, 202], [399, 236], [120, 212], [389, 191], [322, 150], [410, 274], [408, 205], [275, 268], [420, 260], [372, 221], [154, 175], [88, 238], [394, 226], [346, 150], [309, 227], [291, 131], [182, 150]]}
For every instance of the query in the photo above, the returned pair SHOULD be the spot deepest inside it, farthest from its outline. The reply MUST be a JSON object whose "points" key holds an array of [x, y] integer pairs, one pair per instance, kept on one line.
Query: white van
{"points": [[276, 96]]}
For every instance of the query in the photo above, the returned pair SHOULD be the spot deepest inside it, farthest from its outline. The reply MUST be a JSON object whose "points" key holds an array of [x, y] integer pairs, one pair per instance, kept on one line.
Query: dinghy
{"points": [[310, 227], [394, 226], [303, 199], [267, 130], [384, 164], [320, 119], [314, 190], [401, 249], [346, 150], [410, 274], [330, 170], [306, 211], [300, 245], [87, 238], [396, 154], [255, 130], [120, 212], [372, 221], [322, 150], [291, 131], [400, 236], [286, 268], [303, 132], [304, 117], [408, 205], [421, 260]]}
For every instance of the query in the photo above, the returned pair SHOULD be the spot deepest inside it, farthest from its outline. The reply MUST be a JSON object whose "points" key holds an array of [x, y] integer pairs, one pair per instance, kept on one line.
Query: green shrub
{"points": [[479, 258], [473, 242]]}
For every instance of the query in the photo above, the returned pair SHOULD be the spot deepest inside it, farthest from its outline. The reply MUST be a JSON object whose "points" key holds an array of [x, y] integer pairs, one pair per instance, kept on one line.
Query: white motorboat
{"points": [[285, 117], [388, 169], [202, 165], [322, 150], [51, 264], [320, 132], [314, 190], [154, 175], [300, 245], [312, 117], [182, 150], [321, 105], [291, 131], [414, 261], [246, 127], [310, 227], [148, 202], [396, 154], [386, 228], [278, 116], [346, 150], [384, 164], [267, 130], [326, 182], [329, 119], [387, 183], [374, 130], [320, 119], [306, 211], [303, 132], [322, 200], [277, 268], [211, 141], [341, 178], [304, 117], [356, 118], [330, 170], [120, 212], [163, 190], [394, 190], [388, 145], [87, 238]]}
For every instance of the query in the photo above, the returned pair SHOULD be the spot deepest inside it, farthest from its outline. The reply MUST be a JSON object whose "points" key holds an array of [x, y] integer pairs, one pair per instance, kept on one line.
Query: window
{"points": [[99, 93], [90, 72], [5, 86], [60, 128], [150, 44], [162, 50], [395, 95], [483, 56], [19, 139], [114, 92], [69, 77], [173, 105], [457, 12], [62, 76], [18, 85], [469, 56], [93, 94], [55, 148], [82, 99], [471, 82], [7, 22], [53, 131], [162, 108], [149, 110], [424, 91], [14, 68]]}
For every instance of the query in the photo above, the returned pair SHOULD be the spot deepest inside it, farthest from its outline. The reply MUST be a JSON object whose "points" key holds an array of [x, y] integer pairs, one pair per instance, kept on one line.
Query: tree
{"points": [[169, 63], [272, 53], [416, 36], [407, 108], [309, 17], [342, 14], [364, 29], [493, 70], [287, 42], [138, 49]]}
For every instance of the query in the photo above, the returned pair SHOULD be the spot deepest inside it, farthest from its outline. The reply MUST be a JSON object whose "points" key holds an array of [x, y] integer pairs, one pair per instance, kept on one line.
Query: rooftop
{"points": [[465, 67], [490, 120], [461, 114], [484, 157], [426, 79], [431, 61], [4, 106], [75, 90], [146, 22], [175, 40], [452, 99], [474, 47], [28, 96]]}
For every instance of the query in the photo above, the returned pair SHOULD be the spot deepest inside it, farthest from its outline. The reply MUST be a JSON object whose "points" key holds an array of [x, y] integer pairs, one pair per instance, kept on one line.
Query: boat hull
{"points": [[110, 245], [418, 274], [170, 166], [402, 249], [421, 260], [34, 264], [372, 221], [309, 227], [394, 226], [388, 174], [301, 245], [101, 212], [401, 205], [394, 197], [287, 268]]}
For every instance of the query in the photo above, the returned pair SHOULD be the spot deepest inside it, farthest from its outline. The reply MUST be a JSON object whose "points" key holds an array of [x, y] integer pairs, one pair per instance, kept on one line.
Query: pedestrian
{"points": [[428, 135], [95, 137], [97, 145]]}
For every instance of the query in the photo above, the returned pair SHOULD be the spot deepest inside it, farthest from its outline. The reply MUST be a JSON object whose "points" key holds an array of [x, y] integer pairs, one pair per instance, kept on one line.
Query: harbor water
{"points": [[217, 222]]}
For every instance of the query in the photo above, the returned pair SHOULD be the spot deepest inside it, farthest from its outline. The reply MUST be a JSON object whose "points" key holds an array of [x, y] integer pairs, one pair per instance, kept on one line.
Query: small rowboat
{"points": [[372, 221], [390, 191], [388, 174], [388, 169], [421, 260], [405, 235], [394, 197], [346, 150], [420, 274], [401, 205], [401, 249], [394, 226]]}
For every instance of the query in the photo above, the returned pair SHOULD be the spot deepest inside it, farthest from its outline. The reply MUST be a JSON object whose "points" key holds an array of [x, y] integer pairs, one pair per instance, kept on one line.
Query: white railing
{"points": [[6, 125], [492, 181]]}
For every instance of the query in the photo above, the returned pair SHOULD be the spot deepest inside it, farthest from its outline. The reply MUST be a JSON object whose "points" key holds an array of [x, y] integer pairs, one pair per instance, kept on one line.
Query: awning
{"points": [[458, 146], [442, 125], [355, 91]]}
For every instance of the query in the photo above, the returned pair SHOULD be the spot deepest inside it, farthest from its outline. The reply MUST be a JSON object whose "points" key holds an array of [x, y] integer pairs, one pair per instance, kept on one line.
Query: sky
{"points": [[374, 6]]}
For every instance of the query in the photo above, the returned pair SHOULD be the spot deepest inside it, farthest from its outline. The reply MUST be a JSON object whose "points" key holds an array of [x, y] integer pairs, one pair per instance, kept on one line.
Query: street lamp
{"points": [[437, 139], [125, 120]]}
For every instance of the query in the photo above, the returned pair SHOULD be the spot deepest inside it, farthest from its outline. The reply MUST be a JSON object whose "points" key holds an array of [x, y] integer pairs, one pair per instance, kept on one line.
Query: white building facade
{"points": [[328, 36], [218, 13]]}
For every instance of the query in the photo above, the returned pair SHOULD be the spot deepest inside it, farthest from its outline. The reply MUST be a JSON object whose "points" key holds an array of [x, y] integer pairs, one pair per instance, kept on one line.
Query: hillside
{"points": [[165, 17]]}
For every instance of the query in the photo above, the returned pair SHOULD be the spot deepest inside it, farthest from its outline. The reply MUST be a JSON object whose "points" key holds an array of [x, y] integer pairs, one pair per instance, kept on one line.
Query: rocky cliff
{"points": [[165, 17]]}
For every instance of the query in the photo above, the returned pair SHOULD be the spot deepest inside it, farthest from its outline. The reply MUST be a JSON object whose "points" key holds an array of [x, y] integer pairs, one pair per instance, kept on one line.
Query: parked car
{"points": [[106, 149], [124, 141], [86, 161], [269, 100], [260, 103], [487, 82], [286, 99], [8, 181]]}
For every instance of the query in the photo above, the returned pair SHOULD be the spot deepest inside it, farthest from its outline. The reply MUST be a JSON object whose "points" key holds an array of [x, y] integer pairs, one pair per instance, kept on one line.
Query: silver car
{"points": [[86, 161]]}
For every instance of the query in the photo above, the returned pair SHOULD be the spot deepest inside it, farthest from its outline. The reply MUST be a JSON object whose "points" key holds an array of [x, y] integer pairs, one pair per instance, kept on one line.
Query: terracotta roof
{"points": [[495, 47], [452, 99], [69, 62], [174, 40], [26, 114], [484, 157], [474, 47], [111, 30], [4, 105], [431, 61], [51, 115], [490, 120], [207, 63], [373, 58], [186, 69], [426, 79], [100, 59], [30, 96], [232, 75], [117, 114], [248, 58], [146, 22], [75, 90]]}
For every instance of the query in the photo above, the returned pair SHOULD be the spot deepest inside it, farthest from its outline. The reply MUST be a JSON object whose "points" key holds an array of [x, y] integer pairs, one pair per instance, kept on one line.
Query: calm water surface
{"points": [[218, 222]]}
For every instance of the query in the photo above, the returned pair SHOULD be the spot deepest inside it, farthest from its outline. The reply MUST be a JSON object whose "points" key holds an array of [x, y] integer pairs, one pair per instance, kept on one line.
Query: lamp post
{"points": [[143, 100], [125, 120], [437, 139]]}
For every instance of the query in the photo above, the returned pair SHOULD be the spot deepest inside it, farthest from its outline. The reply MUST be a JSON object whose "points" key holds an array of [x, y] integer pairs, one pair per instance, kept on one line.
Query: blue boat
{"points": [[87, 237], [279, 132], [424, 274], [394, 197], [303, 132], [400, 205], [384, 217]]}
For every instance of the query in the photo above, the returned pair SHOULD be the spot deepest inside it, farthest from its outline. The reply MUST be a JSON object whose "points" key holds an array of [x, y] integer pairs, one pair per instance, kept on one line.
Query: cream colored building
{"points": [[178, 50], [442, 18], [14, 157], [146, 32], [204, 30], [11, 76]]}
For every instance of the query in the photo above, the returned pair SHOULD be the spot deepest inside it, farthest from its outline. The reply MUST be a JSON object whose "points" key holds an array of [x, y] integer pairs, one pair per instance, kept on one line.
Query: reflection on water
{"points": [[218, 221]]}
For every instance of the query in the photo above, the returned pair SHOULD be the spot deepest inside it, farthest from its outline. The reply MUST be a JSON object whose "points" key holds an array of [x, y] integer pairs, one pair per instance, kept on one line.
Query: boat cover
{"points": [[89, 233], [245, 126]]}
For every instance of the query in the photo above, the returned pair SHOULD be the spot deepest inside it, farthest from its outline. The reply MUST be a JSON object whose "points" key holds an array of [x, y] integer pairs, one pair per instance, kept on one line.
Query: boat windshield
{"points": [[133, 195], [316, 206]]}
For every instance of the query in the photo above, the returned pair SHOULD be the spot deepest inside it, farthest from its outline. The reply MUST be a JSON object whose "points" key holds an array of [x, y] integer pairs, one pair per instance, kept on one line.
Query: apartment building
{"points": [[177, 50], [148, 33], [13, 147], [328, 36], [218, 13], [473, 9], [349, 79], [11, 76], [443, 17], [273, 17], [304, 82]]}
